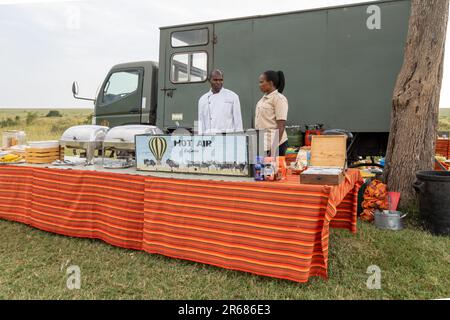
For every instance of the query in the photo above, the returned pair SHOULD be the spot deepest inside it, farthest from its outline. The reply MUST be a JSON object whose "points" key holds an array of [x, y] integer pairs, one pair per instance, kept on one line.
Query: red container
{"points": [[394, 199], [443, 147], [309, 134]]}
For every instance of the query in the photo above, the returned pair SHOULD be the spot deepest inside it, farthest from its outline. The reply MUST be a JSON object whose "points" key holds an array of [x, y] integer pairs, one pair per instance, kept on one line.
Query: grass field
{"points": [[414, 264], [42, 127], [445, 112], [444, 119]]}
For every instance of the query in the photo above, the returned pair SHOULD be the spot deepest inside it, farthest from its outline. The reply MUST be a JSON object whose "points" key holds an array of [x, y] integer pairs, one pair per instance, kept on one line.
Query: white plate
{"points": [[44, 144]]}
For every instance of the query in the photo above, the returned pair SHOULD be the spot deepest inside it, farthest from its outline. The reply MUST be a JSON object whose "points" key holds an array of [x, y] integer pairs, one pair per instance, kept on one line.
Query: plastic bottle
{"points": [[282, 169], [269, 169], [259, 168], [269, 172]]}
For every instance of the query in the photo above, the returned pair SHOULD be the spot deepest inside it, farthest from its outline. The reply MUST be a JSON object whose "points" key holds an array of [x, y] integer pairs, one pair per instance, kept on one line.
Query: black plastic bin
{"points": [[433, 188]]}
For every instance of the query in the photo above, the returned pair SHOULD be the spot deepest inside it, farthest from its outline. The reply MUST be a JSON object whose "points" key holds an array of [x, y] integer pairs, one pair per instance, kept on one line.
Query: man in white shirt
{"points": [[219, 110]]}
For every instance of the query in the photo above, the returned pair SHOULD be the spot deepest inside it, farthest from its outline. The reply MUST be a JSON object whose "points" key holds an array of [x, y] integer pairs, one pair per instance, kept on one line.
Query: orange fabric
{"points": [[443, 147], [375, 197], [278, 229], [441, 166], [75, 203]]}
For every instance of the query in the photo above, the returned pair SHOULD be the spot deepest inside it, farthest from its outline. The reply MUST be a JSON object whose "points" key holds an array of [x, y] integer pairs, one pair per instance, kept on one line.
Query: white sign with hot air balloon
{"points": [[216, 154], [158, 147]]}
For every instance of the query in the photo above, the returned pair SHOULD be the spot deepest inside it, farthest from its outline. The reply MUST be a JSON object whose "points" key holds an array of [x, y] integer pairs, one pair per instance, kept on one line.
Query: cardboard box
{"points": [[328, 161]]}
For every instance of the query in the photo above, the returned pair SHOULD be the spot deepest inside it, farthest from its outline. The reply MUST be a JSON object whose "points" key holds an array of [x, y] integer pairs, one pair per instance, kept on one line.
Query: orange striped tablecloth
{"points": [[277, 229], [87, 204], [274, 229]]}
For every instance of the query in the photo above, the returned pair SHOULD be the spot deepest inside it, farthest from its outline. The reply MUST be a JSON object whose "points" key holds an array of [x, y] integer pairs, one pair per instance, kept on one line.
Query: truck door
{"points": [[120, 98], [188, 58]]}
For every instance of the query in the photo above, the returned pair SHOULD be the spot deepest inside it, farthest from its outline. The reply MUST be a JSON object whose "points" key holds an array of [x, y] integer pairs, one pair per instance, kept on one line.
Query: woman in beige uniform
{"points": [[271, 111]]}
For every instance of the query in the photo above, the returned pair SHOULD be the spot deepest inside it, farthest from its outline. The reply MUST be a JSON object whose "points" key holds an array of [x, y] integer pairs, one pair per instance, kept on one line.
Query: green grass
{"points": [[43, 128], [444, 112], [414, 264], [444, 119]]}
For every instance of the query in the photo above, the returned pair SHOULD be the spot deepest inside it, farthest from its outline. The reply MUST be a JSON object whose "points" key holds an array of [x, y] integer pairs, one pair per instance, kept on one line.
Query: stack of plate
{"points": [[43, 151]]}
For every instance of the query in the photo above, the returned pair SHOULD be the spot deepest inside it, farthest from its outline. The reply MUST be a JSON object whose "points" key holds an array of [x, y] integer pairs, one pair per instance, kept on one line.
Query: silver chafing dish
{"points": [[120, 141], [88, 138]]}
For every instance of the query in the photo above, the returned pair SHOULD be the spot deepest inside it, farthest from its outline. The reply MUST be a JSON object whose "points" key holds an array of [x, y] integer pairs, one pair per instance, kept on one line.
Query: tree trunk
{"points": [[415, 103]]}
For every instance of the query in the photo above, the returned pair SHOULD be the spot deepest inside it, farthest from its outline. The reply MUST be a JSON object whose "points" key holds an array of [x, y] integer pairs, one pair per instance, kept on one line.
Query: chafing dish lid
{"points": [[85, 133], [126, 134]]}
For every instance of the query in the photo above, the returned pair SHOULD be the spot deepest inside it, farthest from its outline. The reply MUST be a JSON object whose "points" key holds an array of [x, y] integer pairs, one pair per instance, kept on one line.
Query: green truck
{"points": [[340, 63]]}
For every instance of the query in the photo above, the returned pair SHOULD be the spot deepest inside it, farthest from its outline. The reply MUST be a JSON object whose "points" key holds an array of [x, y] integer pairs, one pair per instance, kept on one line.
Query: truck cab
{"points": [[128, 95]]}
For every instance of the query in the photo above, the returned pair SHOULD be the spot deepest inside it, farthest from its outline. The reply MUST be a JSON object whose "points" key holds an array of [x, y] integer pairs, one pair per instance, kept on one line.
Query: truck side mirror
{"points": [[75, 92], [75, 88]]}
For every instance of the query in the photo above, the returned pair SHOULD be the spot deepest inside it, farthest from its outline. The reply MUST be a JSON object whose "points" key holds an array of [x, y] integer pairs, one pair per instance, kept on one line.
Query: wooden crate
{"points": [[43, 155], [443, 147], [327, 152], [321, 179]]}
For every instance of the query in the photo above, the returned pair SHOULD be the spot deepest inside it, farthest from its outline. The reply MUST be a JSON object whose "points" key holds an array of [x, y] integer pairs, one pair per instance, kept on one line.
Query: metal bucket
{"points": [[389, 220]]}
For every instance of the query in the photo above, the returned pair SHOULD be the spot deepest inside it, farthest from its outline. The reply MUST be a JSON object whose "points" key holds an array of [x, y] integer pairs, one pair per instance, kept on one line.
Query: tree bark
{"points": [[415, 103]]}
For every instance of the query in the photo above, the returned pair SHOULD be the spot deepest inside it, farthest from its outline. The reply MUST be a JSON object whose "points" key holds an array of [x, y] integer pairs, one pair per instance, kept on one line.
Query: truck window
{"points": [[190, 38], [120, 84], [189, 67]]}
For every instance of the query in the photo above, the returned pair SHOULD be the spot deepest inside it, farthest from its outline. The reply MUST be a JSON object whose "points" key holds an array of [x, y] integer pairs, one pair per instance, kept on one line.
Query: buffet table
{"points": [[276, 229]]}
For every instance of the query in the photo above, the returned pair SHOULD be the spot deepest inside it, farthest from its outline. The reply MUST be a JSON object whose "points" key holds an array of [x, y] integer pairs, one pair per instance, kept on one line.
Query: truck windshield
{"points": [[120, 84]]}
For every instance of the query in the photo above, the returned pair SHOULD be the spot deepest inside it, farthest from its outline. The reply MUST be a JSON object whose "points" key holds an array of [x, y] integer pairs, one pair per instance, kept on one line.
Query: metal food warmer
{"points": [[120, 142], [87, 138]]}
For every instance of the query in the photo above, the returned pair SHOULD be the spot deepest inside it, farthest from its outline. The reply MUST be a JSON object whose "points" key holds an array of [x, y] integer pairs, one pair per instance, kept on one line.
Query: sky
{"points": [[46, 45]]}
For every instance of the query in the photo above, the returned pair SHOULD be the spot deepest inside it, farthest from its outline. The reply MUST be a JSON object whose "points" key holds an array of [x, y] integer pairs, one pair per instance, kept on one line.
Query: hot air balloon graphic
{"points": [[158, 147]]}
